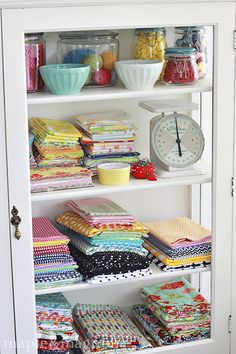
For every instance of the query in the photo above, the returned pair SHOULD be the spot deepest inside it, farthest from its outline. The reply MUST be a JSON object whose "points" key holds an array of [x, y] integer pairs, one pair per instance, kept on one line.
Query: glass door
{"points": [[201, 198]]}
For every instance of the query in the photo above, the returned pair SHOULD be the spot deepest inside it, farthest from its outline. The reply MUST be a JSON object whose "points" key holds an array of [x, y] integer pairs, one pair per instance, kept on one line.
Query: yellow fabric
{"points": [[176, 230], [78, 224], [54, 130], [50, 243], [171, 262]]}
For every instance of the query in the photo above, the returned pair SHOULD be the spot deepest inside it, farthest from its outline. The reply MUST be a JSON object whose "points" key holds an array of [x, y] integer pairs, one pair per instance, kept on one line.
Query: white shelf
{"points": [[158, 274], [117, 92], [134, 184]]}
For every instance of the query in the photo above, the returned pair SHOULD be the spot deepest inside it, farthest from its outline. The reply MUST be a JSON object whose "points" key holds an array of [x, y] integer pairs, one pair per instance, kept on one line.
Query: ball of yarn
{"points": [[94, 61], [77, 56], [102, 77], [109, 59]]}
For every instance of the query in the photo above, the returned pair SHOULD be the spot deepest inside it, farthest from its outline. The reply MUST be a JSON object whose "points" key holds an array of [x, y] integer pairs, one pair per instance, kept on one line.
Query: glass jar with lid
{"points": [[34, 58], [98, 49], [150, 43], [180, 66], [194, 37]]}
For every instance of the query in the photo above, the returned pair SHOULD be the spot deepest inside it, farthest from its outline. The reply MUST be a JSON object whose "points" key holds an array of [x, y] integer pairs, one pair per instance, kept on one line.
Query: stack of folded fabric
{"points": [[178, 244], [54, 324], [57, 153], [105, 240], [106, 329], [174, 313], [56, 142], [56, 178], [107, 137], [53, 264]]}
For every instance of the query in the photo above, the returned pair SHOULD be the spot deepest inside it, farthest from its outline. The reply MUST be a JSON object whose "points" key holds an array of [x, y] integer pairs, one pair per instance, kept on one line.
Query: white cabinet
{"points": [[162, 199]]}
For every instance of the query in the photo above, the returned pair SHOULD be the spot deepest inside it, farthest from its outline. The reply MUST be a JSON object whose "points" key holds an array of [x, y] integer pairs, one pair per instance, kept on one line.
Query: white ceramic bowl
{"points": [[139, 74]]}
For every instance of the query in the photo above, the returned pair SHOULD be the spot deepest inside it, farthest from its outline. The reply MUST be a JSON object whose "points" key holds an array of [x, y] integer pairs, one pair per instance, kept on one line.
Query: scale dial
{"points": [[177, 141]]}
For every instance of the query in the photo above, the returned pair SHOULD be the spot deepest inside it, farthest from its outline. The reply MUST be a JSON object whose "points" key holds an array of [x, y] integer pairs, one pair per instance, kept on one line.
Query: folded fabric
{"points": [[106, 327], [97, 207], [48, 130], [52, 280], [57, 173], [53, 258], [53, 316], [100, 126], [43, 228], [176, 301], [195, 265], [57, 345], [124, 246], [179, 231], [48, 250], [100, 211], [114, 277], [78, 224], [160, 333], [93, 163], [55, 185], [180, 252], [108, 262], [175, 262]]}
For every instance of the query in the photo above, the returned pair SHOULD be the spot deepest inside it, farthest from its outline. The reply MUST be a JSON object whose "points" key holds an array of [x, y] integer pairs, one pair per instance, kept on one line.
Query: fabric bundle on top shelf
{"points": [[178, 244], [105, 240], [106, 329], [107, 137], [53, 264], [174, 313], [57, 153], [54, 319]]}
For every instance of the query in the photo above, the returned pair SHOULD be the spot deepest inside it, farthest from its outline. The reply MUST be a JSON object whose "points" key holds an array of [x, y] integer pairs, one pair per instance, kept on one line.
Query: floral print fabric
{"points": [[176, 301]]}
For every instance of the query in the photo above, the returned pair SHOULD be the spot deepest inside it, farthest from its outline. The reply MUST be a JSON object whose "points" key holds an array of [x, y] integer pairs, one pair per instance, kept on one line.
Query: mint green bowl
{"points": [[65, 79]]}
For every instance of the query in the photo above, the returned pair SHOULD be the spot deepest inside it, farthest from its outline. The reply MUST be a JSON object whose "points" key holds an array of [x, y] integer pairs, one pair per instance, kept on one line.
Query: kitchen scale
{"points": [[176, 140]]}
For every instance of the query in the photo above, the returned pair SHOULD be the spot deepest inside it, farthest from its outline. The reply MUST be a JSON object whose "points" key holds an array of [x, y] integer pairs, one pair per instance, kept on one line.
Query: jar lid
{"points": [[190, 29], [179, 51], [87, 34], [148, 30], [34, 35]]}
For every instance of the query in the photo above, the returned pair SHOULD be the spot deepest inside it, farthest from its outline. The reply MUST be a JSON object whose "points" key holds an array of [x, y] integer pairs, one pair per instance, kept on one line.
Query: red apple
{"points": [[102, 77]]}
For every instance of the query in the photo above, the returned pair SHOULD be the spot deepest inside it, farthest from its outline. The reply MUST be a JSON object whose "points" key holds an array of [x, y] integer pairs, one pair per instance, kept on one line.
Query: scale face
{"points": [[177, 141]]}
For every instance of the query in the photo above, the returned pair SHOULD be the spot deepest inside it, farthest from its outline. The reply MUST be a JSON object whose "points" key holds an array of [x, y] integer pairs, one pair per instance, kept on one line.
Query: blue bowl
{"points": [[65, 79]]}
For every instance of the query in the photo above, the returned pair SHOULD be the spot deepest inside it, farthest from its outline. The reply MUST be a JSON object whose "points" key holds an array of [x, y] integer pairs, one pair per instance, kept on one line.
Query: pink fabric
{"points": [[99, 220], [44, 230], [62, 249], [184, 242]]}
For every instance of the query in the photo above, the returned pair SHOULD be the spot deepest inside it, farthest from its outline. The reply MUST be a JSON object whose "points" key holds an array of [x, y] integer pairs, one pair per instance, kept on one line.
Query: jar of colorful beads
{"points": [[98, 49], [34, 58], [180, 66], [194, 37], [150, 43]]}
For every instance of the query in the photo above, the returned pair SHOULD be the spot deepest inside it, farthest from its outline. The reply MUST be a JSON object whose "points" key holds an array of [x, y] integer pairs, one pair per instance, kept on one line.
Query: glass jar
{"points": [[34, 58], [150, 43], [180, 66], [98, 49], [194, 37]]}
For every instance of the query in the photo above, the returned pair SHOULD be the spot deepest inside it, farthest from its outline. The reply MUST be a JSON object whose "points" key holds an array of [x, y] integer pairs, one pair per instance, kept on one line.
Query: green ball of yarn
{"points": [[94, 61]]}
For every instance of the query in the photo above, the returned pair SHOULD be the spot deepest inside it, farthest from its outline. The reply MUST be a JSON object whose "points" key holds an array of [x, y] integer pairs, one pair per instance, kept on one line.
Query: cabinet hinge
{"points": [[232, 186], [230, 324], [234, 39]]}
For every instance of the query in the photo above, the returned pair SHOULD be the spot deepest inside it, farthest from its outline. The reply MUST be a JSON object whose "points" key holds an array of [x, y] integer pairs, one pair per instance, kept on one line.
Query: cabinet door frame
{"points": [[15, 23], [7, 325]]}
